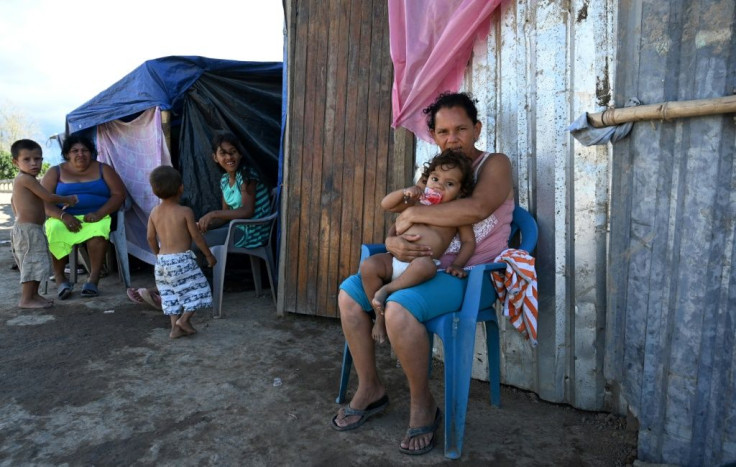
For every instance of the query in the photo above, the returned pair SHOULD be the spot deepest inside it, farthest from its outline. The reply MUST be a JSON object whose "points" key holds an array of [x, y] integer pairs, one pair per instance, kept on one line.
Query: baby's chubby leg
{"points": [[375, 271], [419, 270]]}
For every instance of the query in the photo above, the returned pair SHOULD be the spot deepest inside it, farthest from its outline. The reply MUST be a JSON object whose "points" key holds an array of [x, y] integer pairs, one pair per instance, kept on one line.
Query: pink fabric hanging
{"points": [[134, 149], [431, 43]]}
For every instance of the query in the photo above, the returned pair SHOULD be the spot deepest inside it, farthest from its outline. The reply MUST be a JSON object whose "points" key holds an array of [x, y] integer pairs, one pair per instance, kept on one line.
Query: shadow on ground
{"points": [[98, 382]]}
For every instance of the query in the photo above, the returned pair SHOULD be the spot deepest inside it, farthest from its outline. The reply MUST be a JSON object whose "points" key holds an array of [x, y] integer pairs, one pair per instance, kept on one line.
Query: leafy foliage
{"points": [[8, 171]]}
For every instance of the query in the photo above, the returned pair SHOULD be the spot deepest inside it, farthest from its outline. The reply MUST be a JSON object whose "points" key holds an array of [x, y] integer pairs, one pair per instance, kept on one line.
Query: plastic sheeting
{"points": [[431, 44], [204, 96], [134, 149]]}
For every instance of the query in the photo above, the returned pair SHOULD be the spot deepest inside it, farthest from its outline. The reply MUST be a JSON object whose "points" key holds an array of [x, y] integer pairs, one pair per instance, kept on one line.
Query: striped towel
{"points": [[516, 288]]}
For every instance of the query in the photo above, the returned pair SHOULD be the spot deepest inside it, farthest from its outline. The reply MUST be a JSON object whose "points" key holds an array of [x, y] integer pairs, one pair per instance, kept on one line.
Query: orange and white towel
{"points": [[516, 287]]}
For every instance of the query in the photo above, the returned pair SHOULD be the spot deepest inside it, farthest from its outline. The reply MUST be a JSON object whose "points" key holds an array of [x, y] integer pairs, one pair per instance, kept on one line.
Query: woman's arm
{"points": [[49, 181], [493, 187], [215, 219]]}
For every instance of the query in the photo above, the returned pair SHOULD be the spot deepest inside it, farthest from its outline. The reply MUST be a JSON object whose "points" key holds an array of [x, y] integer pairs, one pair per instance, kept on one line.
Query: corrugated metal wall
{"points": [[672, 284], [544, 64]]}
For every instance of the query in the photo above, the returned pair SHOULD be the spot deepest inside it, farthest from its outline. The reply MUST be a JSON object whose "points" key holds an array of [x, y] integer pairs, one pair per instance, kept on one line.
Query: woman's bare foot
{"points": [[186, 327], [360, 401], [177, 332], [35, 303], [421, 418]]}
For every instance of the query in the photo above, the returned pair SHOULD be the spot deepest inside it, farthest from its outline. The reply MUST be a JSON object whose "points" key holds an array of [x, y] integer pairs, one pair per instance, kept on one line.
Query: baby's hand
{"points": [[211, 261], [412, 193], [456, 271]]}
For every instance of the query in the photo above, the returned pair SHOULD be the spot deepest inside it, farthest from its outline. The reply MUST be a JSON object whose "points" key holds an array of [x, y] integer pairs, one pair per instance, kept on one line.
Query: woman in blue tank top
{"points": [[101, 193]]}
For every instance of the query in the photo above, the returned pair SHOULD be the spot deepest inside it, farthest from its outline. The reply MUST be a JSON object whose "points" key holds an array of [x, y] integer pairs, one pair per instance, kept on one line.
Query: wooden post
{"points": [[166, 127]]}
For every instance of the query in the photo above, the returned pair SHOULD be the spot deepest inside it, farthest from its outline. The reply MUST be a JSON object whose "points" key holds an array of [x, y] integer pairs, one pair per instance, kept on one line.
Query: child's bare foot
{"points": [[186, 327], [177, 332], [36, 302], [379, 300], [50, 301], [379, 332]]}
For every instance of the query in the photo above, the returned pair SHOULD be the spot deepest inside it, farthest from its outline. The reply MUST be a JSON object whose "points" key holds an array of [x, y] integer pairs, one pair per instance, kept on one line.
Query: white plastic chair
{"points": [[264, 252]]}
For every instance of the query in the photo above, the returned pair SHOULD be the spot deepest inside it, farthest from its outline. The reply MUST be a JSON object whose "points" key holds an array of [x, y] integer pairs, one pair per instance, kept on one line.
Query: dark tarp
{"points": [[204, 96]]}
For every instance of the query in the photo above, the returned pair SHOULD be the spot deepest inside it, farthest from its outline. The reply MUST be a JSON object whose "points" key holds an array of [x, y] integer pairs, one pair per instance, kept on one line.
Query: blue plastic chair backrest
{"points": [[524, 222]]}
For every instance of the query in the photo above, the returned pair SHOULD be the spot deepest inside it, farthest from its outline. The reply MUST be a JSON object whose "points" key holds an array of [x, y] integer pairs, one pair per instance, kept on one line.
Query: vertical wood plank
{"points": [[317, 81], [332, 209], [298, 30]]}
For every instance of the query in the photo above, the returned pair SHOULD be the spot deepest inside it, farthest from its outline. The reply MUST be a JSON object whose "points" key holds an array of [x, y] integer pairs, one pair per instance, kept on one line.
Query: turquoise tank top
{"points": [[253, 235]]}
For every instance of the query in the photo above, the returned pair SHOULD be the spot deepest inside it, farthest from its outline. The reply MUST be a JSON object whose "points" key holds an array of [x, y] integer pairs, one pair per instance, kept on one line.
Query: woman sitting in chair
{"points": [[244, 196], [101, 193], [453, 122]]}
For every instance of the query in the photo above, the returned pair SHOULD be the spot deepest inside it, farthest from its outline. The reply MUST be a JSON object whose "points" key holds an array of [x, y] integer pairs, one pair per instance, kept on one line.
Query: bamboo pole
{"points": [[663, 111]]}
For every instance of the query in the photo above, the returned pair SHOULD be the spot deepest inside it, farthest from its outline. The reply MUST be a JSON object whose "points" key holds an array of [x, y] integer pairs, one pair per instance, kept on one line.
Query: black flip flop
{"points": [[423, 430], [372, 409]]}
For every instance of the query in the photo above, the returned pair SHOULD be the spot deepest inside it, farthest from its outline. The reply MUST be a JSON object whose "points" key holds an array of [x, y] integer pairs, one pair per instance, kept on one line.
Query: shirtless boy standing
{"points": [[171, 230], [30, 247]]}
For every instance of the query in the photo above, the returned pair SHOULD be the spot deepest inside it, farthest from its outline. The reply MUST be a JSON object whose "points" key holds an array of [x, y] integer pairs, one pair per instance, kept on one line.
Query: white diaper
{"points": [[400, 266]]}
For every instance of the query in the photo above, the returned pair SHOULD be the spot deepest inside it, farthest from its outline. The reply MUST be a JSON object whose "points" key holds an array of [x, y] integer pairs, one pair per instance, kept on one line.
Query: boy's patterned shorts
{"points": [[182, 286]]}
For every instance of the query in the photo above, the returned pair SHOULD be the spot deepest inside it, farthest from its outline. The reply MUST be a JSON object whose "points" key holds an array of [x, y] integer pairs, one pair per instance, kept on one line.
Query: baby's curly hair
{"points": [[450, 159]]}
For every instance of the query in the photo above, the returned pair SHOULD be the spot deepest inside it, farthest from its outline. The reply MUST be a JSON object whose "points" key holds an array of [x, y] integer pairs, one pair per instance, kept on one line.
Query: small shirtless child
{"points": [[30, 247], [171, 230], [446, 177]]}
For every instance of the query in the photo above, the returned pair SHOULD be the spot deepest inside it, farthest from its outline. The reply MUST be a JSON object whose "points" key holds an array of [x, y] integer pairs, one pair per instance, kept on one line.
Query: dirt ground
{"points": [[99, 382]]}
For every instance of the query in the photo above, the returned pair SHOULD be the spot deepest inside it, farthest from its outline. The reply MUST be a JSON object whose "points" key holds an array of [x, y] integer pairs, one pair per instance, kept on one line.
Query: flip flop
{"points": [[152, 298], [134, 296], [372, 409], [64, 291], [423, 430], [89, 289]]}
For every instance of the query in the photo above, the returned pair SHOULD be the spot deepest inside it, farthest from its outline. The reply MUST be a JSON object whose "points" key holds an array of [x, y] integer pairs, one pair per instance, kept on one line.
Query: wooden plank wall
{"points": [[339, 157]]}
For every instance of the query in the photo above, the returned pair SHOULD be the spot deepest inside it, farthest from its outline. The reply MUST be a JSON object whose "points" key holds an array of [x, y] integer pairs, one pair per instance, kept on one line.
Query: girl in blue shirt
{"points": [[244, 196]]}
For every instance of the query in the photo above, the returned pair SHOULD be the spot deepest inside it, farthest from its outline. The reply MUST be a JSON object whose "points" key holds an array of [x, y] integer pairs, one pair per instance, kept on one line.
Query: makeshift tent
{"points": [[203, 96]]}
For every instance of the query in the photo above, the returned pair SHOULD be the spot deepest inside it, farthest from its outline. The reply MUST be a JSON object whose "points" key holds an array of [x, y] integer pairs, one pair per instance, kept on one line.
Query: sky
{"points": [[56, 55]]}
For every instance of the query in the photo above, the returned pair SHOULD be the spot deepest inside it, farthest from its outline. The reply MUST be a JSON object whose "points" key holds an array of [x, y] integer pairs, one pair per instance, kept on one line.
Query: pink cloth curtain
{"points": [[134, 149], [431, 44]]}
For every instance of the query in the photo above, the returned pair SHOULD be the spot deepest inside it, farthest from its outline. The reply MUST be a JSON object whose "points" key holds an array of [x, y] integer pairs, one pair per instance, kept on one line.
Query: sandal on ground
{"points": [[372, 409], [134, 296], [64, 290], [151, 297], [423, 430], [89, 289]]}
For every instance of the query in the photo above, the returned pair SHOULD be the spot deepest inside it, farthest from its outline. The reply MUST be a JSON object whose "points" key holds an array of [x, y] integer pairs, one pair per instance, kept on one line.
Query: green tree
{"points": [[8, 171]]}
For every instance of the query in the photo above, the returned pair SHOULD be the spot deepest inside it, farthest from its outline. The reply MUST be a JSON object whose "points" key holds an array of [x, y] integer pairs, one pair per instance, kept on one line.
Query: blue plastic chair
{"points": [[457, 331]]}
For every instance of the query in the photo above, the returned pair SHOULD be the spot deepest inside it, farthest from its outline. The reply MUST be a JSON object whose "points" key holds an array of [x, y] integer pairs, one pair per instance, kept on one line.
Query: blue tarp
{"points": [[161, 82], [204, 96]]}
